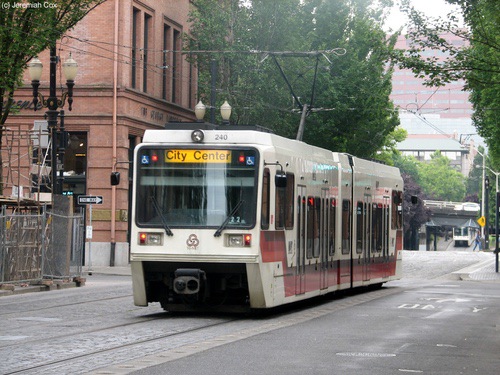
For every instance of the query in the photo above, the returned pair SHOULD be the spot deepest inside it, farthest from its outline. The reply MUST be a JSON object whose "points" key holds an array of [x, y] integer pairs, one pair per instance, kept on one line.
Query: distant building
{"points": [[436, 118], [423, 146]]}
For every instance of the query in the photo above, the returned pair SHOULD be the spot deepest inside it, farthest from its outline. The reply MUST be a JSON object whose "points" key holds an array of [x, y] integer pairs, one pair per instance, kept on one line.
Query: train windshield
{"points": [[196, 187]]}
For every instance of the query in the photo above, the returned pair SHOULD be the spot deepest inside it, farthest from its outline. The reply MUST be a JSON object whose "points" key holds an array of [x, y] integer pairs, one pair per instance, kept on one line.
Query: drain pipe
{"points": [[113, 160]]}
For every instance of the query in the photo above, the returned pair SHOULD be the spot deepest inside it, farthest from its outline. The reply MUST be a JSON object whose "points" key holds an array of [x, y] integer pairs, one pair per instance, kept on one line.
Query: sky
{"points": [[433, 8]]}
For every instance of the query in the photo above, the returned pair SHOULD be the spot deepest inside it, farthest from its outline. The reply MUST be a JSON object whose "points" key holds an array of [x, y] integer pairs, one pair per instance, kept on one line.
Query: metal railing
{"points": [[38, 244]]}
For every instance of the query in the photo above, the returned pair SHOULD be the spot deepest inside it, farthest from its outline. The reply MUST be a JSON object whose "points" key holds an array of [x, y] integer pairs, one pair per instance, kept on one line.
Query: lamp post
{"points": [[53, 103], [497, 213], [225, 112], [486, 212]]}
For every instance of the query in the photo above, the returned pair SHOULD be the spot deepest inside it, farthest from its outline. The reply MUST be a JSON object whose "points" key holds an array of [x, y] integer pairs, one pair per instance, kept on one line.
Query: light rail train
{"points": [[465, 234], [232, 218]]}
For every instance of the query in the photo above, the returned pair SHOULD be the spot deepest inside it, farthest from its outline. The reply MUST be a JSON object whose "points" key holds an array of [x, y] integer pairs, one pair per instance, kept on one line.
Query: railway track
{"points": [[107, 335]]}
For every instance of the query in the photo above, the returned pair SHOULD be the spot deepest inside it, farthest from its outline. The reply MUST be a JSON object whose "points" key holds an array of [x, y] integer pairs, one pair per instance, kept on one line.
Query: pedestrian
{"points": [[477, 242]]}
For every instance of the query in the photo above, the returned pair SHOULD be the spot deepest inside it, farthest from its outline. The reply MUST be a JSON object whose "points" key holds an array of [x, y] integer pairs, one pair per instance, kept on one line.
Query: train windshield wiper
{"points": [[231, 214], [162, 218]]}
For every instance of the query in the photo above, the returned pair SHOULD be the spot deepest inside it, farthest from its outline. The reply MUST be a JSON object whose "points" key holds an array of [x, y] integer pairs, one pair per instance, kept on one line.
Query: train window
{"points": [[189, 188], [397, 209], [331, 229], [310, 227], [346, 226], [284, 204], [301, 221], [324, 226], [290, 187], [360, 227], [264, 219], [377, 227]]}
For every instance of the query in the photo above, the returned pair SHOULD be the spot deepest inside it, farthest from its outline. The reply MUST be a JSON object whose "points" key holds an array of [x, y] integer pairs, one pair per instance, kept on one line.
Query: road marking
{"points": [[407, 370]]}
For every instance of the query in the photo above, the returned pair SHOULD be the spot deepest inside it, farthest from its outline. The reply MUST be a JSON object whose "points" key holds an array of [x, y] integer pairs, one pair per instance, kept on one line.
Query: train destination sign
{"points": [[90, 199], [198, 156]]}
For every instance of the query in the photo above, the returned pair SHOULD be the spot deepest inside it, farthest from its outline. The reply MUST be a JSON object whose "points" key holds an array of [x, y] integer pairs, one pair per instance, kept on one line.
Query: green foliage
{"points": [[25, 32], [440, 181], [476, 59], [389, 151], [408, 165], [349, 108]]}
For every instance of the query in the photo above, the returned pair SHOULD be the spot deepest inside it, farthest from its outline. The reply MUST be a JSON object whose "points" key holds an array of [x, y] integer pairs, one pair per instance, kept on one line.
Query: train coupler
{"points": [[188, 280]]}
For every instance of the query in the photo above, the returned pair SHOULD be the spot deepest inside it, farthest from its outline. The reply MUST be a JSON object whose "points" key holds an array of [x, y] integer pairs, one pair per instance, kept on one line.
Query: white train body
{"points": [[213, 227]]}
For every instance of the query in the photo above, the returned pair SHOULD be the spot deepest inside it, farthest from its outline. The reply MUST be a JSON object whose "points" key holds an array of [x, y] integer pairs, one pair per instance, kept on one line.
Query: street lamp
{"points": [[199, 111], [225, 112], [486, 212], [53, 103]]}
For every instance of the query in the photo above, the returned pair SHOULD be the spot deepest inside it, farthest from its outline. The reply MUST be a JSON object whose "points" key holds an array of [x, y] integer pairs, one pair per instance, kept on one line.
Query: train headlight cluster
{"points": [[151, 239], [239, 240]]}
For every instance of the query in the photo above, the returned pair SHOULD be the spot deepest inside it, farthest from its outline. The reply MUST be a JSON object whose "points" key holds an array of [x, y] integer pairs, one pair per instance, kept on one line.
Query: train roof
{"points": [[240, 134], [253, 135]]}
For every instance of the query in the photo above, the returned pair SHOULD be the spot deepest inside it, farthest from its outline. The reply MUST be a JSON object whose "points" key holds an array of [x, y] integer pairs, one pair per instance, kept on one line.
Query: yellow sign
{"points": [[198, 156], [481, 221]]}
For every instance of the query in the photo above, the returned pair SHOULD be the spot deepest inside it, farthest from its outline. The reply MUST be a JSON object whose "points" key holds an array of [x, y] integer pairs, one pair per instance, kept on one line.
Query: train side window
{"points": [[317, 227], [310, 227], [285, 203], [397, 210], [377, 227], [331, 229], [264, 219], [346, 226], [360, 227], [290, 191]]}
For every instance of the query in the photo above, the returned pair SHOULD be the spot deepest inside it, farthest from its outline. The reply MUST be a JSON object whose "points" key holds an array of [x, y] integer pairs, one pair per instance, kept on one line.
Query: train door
{"points": [[324, 241], [300, 269], [385, 230], [367, 234]]}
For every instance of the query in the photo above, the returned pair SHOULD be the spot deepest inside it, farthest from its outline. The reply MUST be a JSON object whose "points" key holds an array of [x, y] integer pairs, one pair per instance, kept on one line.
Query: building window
{"points": [[135, 46], [147, 27], [75, 156], [164, 76], [176, 65]]}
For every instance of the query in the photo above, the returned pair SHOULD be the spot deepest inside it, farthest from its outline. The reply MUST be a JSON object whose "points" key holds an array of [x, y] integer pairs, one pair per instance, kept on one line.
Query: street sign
{"points": [[481, 221], [90, 199]]}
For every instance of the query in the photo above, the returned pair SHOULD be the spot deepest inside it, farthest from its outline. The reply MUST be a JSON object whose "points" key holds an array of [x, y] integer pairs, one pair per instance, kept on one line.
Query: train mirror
{"points": [[280, 180], [115, 178]]}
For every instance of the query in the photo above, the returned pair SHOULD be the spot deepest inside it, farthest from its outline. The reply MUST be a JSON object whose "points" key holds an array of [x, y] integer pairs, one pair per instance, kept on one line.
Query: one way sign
{"points": [[90, 199]]}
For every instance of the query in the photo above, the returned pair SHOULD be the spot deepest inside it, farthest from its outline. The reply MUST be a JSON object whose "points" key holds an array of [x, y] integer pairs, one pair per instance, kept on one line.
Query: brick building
{"points": [[131, 77]]}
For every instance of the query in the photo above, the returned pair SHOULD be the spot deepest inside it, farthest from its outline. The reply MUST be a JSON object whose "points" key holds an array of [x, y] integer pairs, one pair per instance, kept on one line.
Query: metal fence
{"points": [[39, 244]]}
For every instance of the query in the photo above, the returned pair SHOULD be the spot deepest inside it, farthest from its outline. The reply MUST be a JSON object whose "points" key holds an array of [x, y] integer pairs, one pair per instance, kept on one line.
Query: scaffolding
{"points": [[35, 243], [26, 165]]}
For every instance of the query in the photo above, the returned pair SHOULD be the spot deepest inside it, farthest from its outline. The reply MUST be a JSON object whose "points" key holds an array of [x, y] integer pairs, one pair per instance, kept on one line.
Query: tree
{"points": [[476, 60], [440, 181], [25, 31], [347, 96], [389, 152], [414, 214]]}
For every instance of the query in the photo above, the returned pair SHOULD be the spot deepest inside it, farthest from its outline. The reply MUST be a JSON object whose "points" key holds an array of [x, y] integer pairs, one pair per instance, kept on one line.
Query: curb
{"points": [[465, 273]]}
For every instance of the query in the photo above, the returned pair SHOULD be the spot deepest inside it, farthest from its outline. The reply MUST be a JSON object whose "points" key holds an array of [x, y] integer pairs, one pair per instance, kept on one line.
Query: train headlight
{"points": [[239, 240], [197, 136], [151, 239]]}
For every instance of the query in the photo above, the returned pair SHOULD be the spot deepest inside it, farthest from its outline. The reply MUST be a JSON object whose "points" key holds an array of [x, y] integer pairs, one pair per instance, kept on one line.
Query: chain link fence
{"points": [[37, 244]]}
